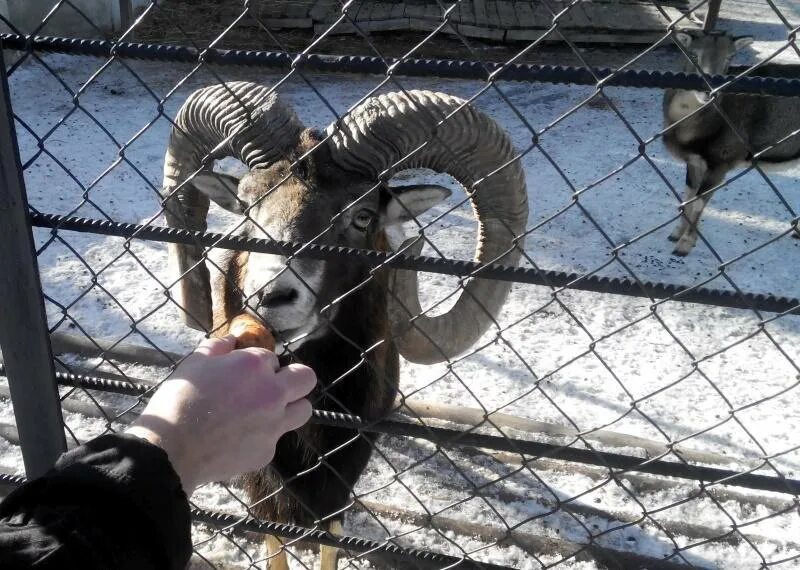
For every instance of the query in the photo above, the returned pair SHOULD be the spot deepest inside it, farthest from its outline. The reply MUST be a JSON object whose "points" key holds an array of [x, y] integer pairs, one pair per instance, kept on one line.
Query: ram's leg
{"points": [[328, 555], [682, 225], [693, 211], [695, 170], [277, 553]]}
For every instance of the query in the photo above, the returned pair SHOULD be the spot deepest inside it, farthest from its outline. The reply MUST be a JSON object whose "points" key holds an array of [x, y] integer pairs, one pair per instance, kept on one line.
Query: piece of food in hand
{"points": [[251, 332]]}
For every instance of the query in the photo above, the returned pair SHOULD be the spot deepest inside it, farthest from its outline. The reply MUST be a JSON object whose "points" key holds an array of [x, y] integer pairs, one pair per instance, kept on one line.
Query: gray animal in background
{"points": [[342, 319], [706, 142]]}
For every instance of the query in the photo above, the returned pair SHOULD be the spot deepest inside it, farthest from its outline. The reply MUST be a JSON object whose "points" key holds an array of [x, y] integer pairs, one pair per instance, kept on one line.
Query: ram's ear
{"points": [[684, 39], [404, 203], [742, 42], [222, 189]]}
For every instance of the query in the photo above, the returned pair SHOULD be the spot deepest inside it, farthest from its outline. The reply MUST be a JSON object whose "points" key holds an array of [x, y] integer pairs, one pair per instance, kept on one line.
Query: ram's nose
{"points": [[278, 297]]}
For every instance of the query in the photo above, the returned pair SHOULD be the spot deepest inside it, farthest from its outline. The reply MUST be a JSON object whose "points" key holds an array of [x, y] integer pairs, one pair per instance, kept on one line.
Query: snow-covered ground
{"points": [[718, 373]]}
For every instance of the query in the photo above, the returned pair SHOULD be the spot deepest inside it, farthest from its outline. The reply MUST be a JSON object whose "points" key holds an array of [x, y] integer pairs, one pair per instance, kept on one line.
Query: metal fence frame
{"points": [[28, 358]]}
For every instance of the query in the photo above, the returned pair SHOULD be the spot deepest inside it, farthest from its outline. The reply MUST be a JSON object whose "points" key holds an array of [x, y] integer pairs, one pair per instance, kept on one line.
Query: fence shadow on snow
{"points": [[614, 405]]}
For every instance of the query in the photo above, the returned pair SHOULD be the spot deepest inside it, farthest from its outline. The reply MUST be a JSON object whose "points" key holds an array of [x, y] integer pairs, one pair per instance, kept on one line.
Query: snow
{"points": [[718, 379]]}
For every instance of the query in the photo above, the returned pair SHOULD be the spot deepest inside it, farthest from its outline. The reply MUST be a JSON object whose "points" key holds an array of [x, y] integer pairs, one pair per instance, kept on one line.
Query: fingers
{"points": [[216, 346], [259, 357], [297, 414], [298, 380]]}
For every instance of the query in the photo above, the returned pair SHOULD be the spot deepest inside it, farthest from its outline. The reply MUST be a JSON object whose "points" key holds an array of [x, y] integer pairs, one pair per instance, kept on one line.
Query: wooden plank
{"points": [[398, 10], [288, 23], [481, 15], [341, 29], [480, 32], [351, 10], [491, 13], [271, 10], [127, 17], [361, 9], [525, 15], [601, 18], [466, 14], [587, 37], [357, 9], [617, 21], [434, 12], [381, 11], [299, 9], [542, 13], [415, 10], [604, 16], [507, 14], [323, 9], [423, 24], [527, 35], [584, 15], [390, 25]]}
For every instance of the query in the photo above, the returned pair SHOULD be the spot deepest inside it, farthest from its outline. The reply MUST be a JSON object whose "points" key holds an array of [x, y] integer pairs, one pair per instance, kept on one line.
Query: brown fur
{"points": [[356, 361], [716, 139]]}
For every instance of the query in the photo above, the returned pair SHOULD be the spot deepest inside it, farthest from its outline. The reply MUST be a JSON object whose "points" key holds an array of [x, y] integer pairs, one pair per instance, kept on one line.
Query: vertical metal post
{"points": [[24, 337], [126, 17], [712, 14]]}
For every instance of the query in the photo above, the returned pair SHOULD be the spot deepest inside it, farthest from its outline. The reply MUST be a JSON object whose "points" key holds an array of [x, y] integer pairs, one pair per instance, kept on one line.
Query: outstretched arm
{"points": [[120, 501]]}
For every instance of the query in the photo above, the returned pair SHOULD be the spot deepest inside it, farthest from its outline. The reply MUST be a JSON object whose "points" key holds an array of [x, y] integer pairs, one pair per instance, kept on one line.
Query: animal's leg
{"points": [[695, 170], [682, 225], [277, 553], [711, 179], [691, 211], [329, 554]]}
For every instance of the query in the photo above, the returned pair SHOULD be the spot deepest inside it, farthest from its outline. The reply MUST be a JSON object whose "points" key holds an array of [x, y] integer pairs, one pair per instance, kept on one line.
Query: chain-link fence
{"points": [[574, 392]]}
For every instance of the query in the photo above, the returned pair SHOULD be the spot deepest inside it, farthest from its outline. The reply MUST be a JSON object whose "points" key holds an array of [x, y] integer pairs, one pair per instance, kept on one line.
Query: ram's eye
{"points": [[362, 219], [301, 169]]}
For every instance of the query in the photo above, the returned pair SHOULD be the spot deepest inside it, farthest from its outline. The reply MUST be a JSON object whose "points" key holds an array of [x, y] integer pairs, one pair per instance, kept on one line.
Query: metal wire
{"points": [[477, 486], [451, 437], [387, 553], [457, 267], [227, 521], [409, 67]]}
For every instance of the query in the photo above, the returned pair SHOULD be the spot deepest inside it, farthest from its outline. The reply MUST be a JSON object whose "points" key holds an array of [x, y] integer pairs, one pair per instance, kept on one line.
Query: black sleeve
{"points": [[113, 503]]}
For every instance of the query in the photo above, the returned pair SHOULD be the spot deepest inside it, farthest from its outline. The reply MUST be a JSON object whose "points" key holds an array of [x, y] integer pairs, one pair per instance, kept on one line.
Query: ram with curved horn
{"points": [[348, 323]]}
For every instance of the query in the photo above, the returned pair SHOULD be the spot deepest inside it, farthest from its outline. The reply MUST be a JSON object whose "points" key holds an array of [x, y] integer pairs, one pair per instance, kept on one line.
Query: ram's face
{"points": [[296, 295], [312, 204], [712, 53]]}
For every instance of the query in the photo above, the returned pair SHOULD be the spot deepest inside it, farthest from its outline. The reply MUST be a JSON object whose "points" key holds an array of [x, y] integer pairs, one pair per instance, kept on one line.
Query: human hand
{"points": [[222, 411]]}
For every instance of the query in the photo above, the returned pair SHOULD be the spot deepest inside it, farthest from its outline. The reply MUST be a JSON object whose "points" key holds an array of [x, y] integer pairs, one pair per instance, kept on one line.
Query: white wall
{"points": [[105, 14]]}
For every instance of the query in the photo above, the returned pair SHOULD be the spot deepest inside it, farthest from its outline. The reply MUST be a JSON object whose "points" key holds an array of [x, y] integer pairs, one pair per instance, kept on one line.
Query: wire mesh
{"points": [[511, 459]]}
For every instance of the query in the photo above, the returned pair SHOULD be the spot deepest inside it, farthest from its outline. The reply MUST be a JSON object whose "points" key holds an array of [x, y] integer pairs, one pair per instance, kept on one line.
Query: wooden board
{"points": [[507, 14], [323, 9], [481, 16], [398, 10], [291, 23], [480, 32], [525, 15], [465, 14], [595, 21], [381, 11]]}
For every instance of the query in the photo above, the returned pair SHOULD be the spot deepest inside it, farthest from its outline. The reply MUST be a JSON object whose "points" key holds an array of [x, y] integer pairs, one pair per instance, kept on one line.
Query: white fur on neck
{"points": [[684, 103], [771, 166]]}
